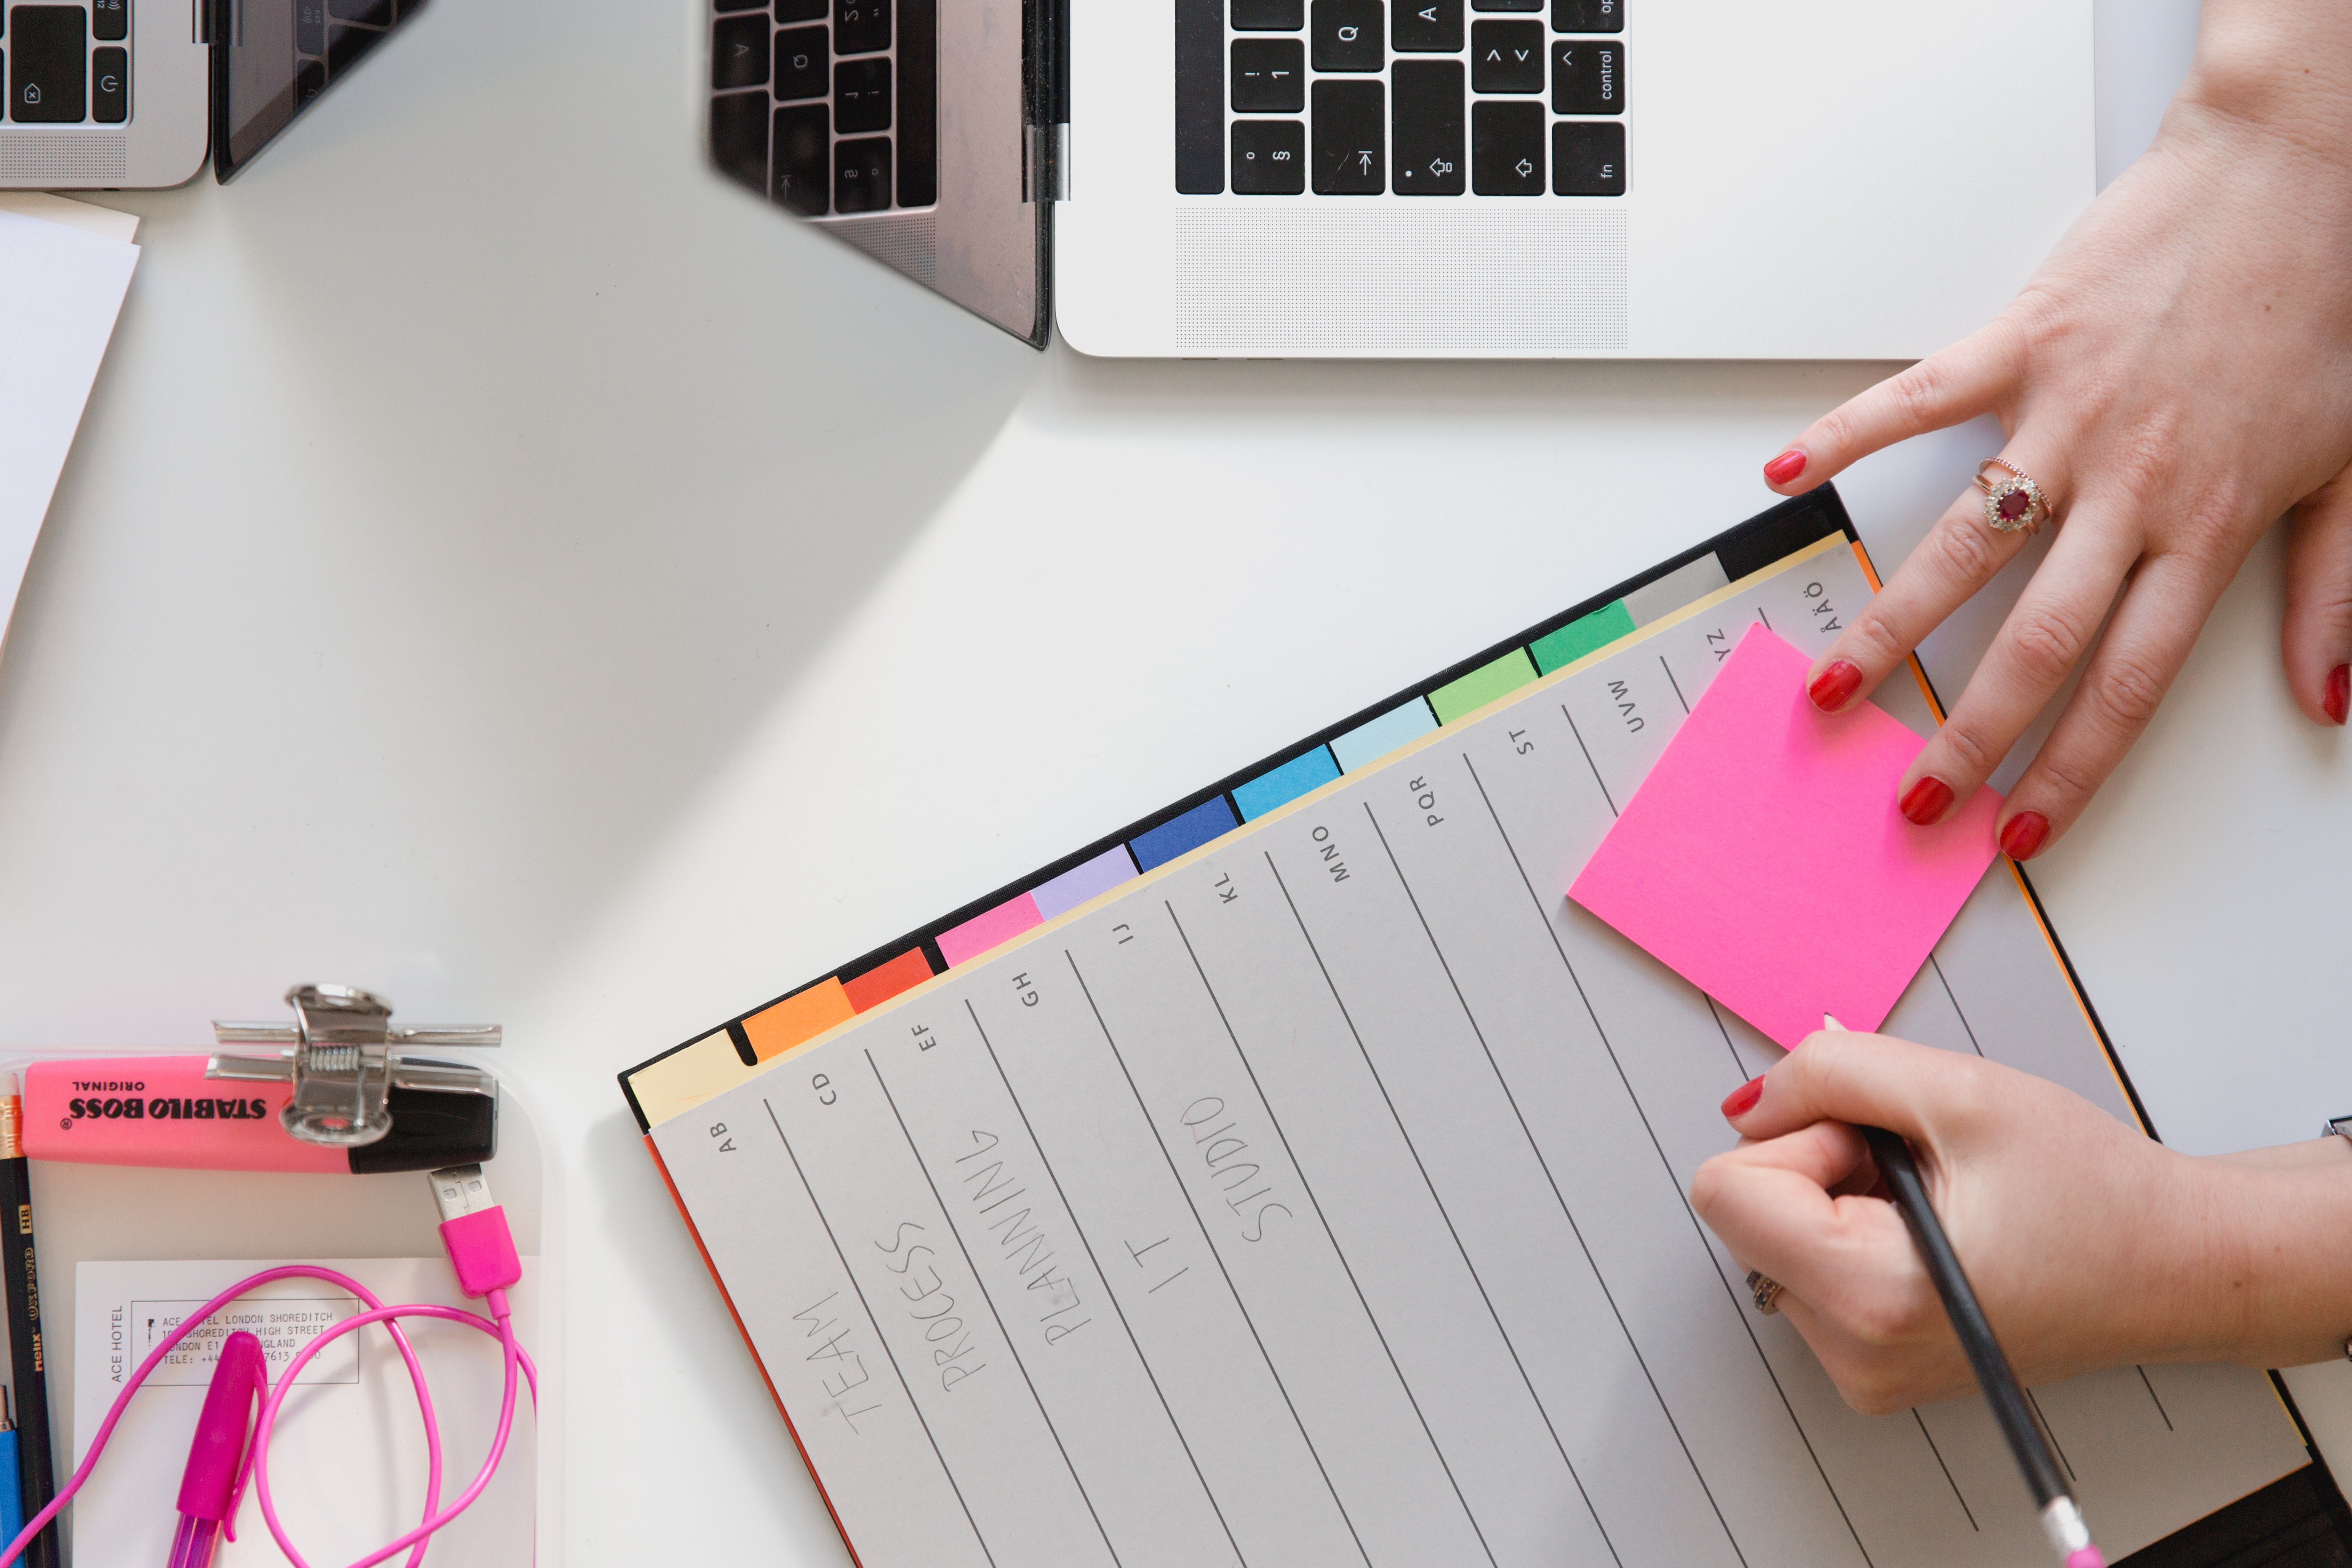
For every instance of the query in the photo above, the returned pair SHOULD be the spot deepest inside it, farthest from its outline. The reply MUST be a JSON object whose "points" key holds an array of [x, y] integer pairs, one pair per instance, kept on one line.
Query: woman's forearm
{"points": [[2283, 1293]]}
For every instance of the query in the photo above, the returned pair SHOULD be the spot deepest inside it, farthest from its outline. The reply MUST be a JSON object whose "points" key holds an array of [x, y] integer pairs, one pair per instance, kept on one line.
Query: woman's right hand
{"points": [[2089, 1243]]}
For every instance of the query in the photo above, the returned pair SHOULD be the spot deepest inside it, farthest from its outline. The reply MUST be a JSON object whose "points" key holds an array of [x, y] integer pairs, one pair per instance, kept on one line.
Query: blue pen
{"points": [[12, 1503]]}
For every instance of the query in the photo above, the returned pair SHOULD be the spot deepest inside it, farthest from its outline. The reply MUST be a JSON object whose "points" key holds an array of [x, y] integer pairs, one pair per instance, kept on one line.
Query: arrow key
{"points": [[1507, 149]]}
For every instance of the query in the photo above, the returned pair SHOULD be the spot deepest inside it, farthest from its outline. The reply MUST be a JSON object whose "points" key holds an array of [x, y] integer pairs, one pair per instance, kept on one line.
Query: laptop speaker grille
{"points": [[36, 157], [1450, 278]]}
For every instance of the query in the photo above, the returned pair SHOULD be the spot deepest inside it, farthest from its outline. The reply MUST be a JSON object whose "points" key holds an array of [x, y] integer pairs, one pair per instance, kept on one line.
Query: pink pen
{"points": [[209, 1486]]}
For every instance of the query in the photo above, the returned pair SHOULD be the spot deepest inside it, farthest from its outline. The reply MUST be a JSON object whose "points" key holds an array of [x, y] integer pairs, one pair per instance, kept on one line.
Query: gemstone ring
{"points": [[1767, 1291], [2013, 503]]}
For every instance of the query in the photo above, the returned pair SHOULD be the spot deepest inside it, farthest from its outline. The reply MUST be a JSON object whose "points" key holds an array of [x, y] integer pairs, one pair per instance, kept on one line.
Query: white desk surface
{"points": [[503, 567]]}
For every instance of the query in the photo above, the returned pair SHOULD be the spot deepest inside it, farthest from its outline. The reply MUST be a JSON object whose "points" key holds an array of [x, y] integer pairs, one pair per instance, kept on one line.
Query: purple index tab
{"points": [[1082, 882]]}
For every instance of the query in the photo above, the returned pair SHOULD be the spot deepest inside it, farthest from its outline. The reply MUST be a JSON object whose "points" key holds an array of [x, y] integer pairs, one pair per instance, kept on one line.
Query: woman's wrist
{"points": [[2278, 1237], [2283, 67]]}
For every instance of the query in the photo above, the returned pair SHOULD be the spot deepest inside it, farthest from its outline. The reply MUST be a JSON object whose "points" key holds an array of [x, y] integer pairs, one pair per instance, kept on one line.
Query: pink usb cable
{"points": [[481, 1250]]}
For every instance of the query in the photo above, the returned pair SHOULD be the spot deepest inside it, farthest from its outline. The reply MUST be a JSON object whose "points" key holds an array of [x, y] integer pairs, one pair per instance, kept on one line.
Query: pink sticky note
{"points": [[1763, 859]]}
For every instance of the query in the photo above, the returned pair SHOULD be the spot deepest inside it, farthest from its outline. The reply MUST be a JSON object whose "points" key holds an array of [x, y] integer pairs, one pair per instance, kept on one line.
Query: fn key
{"points": [[1587, 158]]}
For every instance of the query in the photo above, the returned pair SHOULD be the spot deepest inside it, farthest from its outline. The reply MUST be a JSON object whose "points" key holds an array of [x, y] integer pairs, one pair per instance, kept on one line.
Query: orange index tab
{"points": [[803, 1016]]}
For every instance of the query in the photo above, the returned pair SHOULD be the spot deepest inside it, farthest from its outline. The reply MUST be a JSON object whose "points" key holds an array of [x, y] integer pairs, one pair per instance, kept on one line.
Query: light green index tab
{"points": [[1580, 637], [1482, 685]]}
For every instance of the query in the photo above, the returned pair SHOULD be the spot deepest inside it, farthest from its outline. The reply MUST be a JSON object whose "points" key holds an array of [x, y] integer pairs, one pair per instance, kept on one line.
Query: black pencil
{"points": [[36, 1474], [2062, 1517]]}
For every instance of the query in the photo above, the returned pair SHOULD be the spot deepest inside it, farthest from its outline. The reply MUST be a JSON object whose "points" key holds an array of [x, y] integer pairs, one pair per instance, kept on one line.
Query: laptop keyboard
{"points": [[827, 106], [1418, 98], [70, 64]]}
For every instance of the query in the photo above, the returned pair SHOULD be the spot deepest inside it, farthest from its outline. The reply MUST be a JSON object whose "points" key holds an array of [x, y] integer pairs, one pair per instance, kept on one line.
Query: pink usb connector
{"points": [[474, 1229]]}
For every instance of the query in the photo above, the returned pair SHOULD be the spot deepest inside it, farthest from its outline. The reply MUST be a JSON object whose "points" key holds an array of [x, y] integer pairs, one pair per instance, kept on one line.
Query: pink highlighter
{"points": [[165, 1111], [208, 1489]]}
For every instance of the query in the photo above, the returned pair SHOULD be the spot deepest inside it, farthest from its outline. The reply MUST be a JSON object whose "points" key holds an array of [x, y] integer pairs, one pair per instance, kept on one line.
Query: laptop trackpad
{"points": [[1387, 277]]}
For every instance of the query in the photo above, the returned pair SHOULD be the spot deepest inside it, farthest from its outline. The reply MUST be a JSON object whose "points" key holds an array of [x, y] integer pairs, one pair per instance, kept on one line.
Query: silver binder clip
{"points": [[343, 1056]]}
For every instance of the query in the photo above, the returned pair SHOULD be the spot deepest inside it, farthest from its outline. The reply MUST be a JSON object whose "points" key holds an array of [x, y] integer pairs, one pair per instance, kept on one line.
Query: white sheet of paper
{"points": [[65, 286], [348, 1461]]}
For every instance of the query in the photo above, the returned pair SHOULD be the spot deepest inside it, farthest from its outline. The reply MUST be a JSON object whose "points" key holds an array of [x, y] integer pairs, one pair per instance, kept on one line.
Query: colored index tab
{"points": [[989, 928], [1763, 859], [1557, 650], [1279, 787], [886, 979], [1481, 686], [1213, 818], [802, 1015], [1084, 881], [1376, 738]]}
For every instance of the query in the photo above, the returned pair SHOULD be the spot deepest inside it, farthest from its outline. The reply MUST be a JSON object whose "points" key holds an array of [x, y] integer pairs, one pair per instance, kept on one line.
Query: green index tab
{"points": [[1579, 637], [1482, 685]]}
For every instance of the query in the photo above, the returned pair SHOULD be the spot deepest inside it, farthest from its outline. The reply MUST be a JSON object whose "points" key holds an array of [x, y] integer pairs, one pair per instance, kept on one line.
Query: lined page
{"points": [[1318, 1199]]}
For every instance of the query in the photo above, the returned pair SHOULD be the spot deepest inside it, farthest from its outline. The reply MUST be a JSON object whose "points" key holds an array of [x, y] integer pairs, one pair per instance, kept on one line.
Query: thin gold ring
{"points": [[1766, 1290], [2013, 503]]}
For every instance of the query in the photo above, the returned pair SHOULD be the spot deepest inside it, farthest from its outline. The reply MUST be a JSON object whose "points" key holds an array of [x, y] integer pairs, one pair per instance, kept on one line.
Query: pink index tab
{"points": [[988, 929], [1764, 860]]}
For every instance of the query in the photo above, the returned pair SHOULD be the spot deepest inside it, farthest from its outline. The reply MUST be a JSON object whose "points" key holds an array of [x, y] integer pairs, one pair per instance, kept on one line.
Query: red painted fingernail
{"points": [[1924, 802], [1742, 1101], [2024, 835], [1785, 467], [2339, 693], [1832, 685]]}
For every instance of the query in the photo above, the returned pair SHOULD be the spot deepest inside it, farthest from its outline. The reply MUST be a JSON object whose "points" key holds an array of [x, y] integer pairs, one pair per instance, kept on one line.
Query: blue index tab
{"points": [[1213, 818], [1279, 787], [1376, 738]]}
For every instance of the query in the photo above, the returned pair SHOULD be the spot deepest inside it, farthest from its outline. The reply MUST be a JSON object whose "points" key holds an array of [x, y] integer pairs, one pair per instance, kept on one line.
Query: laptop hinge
{"points": [[1045, 174]]}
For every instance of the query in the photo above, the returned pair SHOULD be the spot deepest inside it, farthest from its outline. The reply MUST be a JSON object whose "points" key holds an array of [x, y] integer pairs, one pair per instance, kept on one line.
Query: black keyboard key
{"points": [[1507, 4], [374, 13], [1587, 158], [803, 63], [860, 27], [346, 45], [49, 69], [309, 27], [737, 5], [1351, 137], [802, 10], [1587, 15], [1200, 97], [109, 85], [1269, 158], [109, 20], [861, 175], [1430, 153], [1347, 36], [1269, 77], [739, 53], [918, 103], [1427, 27], [800, 178], [1269, 16], [310, 81], [1587, 76], [1507, 149], [861, 97], [1506, 56], [738, 136]]}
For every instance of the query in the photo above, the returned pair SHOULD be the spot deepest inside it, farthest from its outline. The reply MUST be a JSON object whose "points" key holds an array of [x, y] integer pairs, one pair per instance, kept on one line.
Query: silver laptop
{"points": [[130, 93], [1467, 178]]}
